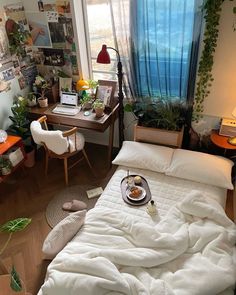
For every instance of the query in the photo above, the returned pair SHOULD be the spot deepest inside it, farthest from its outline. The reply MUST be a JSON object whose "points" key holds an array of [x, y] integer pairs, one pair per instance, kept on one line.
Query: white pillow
{"points": [[62, 233], [201, 167], [144, 156]]}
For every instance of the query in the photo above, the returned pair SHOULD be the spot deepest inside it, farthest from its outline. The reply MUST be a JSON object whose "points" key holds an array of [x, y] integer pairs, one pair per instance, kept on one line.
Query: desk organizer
{"points": [[143, 184]]}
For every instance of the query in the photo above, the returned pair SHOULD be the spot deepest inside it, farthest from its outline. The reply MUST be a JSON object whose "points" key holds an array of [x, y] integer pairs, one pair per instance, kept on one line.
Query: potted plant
{"points": [[160, 120], [5, 165], [21, 127], [92, 86], [31, 99], [87, 102], [11, 283], [43, 86], [99, 107]]}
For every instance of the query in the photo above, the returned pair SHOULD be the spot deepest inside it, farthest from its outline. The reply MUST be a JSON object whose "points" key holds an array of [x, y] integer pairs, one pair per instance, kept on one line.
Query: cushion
{"points": [[201, 167], [79, 142], [144, 156], [62, 233], [52, 138]]}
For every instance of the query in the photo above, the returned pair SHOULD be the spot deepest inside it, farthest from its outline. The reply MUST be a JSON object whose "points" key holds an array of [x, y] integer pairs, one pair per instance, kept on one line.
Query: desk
{"points": [[83, 122]]}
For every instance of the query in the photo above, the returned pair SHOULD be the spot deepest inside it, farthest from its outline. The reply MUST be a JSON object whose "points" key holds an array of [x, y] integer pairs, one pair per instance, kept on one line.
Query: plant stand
{"points": [[158, 136]]}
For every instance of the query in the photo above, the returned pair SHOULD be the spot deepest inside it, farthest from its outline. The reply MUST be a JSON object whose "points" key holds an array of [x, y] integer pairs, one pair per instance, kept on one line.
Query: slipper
{"points": [[74, 205]]}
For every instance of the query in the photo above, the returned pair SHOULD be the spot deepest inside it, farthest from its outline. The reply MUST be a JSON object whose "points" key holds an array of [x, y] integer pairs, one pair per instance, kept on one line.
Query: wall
{"points": [[222, 98], [6, 98]]}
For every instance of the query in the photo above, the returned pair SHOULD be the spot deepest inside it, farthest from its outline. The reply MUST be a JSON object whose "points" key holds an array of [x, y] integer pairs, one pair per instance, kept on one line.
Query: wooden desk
{"points": [[81, 121]]}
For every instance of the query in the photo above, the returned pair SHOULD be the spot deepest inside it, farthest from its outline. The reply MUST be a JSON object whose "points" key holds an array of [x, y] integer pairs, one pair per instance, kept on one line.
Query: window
{"points": [[100, 32]]}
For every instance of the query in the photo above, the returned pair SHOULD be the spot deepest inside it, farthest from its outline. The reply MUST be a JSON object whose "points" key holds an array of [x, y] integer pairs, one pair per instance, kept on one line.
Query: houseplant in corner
{"points": [[159, 120], [11, 283], [21, 127]]}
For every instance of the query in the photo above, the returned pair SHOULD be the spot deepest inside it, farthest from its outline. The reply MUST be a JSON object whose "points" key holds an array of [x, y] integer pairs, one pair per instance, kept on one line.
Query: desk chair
{"points": [[59, 144]]}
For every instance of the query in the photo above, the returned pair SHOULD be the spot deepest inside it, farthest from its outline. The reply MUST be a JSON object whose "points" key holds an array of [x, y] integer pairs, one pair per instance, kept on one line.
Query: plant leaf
{"points": [[15, 281], [15, 225]]}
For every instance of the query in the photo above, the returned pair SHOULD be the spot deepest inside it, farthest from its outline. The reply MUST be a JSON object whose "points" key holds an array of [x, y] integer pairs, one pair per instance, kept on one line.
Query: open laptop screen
{"points": [[69, 99]]}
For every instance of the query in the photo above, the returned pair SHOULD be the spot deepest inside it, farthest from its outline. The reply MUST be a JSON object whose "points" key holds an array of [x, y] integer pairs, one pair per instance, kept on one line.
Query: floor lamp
{"points": [[104, 58]]}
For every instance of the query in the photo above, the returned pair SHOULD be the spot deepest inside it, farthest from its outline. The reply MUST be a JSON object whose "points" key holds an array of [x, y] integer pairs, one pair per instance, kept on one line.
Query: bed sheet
{"points": [[166, 192]]}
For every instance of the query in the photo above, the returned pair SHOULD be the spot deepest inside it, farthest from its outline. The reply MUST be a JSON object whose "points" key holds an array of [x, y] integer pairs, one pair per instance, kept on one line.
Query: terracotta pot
{"points": [[30, 157], [99, 112], [43, 102]]}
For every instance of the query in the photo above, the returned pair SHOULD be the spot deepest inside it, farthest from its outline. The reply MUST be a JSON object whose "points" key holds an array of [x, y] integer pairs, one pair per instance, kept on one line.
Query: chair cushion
{"points": [[53, 139], [79, 142]]}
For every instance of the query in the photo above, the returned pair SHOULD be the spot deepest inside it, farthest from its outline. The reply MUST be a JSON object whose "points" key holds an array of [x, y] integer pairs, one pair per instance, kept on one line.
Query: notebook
{"points": [[68, 104]]}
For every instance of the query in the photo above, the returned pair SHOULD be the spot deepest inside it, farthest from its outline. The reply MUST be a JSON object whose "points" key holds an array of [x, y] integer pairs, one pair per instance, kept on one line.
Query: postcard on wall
{"points": [[49, 5], [63, 6], [22, 82], [8, 74], [16, 12], [52, 16], [39, 30]]}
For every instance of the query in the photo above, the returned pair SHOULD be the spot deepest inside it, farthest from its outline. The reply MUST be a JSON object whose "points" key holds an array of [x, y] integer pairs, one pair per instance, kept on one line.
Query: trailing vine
{"points": [[212, 9]]}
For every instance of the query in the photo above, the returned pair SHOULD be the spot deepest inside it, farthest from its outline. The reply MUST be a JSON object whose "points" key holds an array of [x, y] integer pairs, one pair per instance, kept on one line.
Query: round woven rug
{"points": [[54, 212]]}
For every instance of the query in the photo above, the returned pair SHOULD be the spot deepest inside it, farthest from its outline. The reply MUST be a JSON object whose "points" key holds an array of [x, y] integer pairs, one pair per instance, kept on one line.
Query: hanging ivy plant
{"points": [[212, 9]]}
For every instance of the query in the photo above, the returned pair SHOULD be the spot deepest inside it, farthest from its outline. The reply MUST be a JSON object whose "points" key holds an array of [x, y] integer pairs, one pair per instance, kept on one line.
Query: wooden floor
{"points": [[27, 193]]}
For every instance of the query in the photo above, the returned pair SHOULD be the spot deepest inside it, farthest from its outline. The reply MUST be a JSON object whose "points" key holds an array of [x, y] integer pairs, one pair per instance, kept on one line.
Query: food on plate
{"points": [[137, 179], [135, 192]]}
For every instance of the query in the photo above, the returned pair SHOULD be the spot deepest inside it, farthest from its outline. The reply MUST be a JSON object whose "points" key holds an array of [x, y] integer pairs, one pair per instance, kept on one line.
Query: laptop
{"points": [[68, 104]]}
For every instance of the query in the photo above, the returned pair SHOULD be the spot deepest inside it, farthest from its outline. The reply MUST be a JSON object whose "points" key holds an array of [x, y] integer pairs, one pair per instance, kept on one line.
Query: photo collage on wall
{"points": [[51, 28], [47, 30]]}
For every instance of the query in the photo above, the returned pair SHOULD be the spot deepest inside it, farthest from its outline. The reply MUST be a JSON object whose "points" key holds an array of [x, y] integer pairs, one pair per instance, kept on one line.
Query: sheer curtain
{"points": [[159, 41]]}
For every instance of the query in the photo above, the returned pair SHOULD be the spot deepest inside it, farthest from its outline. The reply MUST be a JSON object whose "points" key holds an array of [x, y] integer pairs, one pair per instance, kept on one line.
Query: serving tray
{"points": [[143, 184]]}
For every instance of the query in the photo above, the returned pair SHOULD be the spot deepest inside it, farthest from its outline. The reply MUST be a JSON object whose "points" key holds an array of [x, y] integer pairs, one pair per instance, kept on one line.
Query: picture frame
{"points": [[106, 92]]}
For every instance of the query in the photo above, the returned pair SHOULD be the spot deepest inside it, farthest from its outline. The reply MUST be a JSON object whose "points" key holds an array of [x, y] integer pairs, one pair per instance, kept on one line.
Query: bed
{"points": [[186, 248]]}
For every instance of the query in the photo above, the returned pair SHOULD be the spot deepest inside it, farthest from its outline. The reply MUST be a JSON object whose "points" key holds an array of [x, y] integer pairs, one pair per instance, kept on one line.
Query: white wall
{"points": [[222, 98], [6, 98]]}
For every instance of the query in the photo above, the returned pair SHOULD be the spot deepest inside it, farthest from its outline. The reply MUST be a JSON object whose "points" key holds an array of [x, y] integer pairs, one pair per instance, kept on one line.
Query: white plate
{"points": [[141, 197]]}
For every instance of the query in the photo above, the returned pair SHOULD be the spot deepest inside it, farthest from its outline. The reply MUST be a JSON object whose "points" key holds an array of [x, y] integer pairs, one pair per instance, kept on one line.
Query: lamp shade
{"points": [[82, 85], [103, 56]]}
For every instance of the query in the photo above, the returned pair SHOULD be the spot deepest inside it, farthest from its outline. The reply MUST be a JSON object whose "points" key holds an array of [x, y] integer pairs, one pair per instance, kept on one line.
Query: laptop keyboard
{"points": [[66, 110]]}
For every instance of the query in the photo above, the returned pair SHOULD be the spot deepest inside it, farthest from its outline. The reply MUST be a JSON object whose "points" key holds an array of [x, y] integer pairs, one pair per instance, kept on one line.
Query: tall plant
{"points": [[11, 227], [212, 9]]}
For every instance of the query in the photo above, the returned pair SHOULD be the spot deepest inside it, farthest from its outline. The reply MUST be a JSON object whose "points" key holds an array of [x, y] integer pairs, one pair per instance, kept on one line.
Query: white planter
{"points": [[6, 170], [158, 136], [32, 103]]}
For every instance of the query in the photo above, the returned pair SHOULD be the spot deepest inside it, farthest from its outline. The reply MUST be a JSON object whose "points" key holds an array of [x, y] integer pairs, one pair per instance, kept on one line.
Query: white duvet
{"points": [[190, 251]]}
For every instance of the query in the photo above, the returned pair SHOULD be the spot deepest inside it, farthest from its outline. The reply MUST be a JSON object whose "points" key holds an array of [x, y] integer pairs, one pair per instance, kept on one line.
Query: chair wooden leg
{"points": [[46, 163], [66, 170], [87, 160]]}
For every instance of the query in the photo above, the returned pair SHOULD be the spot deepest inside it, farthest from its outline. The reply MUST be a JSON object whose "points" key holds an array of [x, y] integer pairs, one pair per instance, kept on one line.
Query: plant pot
{"points": [[6, 170], [32, 103], [30, 157], [87, 105], [43, 102], [158, 136], [99, 112]]}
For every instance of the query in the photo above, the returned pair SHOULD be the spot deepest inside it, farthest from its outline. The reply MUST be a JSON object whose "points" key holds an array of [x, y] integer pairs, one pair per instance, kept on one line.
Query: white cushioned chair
{"points": [[59, 144]]}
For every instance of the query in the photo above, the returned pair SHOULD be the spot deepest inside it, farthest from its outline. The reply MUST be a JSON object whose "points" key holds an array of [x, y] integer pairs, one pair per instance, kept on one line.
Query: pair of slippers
{"points": [[74, 205]]}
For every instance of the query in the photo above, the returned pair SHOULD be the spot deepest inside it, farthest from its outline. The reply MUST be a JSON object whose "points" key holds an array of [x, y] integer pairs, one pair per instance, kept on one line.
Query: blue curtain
{"points": [[162, 35]]}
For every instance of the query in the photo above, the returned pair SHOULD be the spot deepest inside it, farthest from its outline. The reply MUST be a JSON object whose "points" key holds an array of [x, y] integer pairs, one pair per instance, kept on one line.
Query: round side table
{"points": [[221, 141]]}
